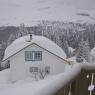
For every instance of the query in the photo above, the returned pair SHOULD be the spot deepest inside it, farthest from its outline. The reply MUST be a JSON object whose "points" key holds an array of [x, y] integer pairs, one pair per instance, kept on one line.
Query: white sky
{"points": [[15, 12]]}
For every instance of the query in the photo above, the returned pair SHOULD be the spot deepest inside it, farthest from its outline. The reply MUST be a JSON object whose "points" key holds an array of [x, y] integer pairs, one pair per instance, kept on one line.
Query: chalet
{"points": [[34, 56]]}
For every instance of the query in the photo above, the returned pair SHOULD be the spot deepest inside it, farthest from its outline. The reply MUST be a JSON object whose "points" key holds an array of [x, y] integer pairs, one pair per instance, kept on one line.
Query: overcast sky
{"points": [[26, 11]]}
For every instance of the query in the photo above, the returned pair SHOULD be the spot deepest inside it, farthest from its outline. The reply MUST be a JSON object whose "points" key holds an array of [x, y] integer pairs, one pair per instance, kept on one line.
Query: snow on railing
{"points": [[88, 66], [59, 81]]}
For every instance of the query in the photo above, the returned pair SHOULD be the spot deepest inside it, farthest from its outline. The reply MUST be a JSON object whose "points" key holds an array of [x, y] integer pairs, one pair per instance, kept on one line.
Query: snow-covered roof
{"points": [[72, 59], [43, 42]]}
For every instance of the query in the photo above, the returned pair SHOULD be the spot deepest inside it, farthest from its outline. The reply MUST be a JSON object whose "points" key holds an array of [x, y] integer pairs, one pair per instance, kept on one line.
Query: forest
{"points": [[78, 36]]}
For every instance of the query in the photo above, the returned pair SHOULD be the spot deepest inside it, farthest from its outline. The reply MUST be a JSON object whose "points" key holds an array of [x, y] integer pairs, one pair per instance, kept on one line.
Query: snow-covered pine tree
{"points": [[64, 45], [10, 39], [87, 51], [1, 53], [83, 51], [3, 46], [22, 30]]}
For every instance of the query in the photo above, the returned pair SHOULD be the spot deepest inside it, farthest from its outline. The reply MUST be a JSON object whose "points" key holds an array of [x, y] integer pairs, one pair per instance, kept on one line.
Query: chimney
{"points": [[30, 36]]}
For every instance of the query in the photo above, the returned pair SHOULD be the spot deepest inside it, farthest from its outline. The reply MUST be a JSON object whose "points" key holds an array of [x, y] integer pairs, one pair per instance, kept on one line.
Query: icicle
{"points": [[70, 91], [91, 87]]}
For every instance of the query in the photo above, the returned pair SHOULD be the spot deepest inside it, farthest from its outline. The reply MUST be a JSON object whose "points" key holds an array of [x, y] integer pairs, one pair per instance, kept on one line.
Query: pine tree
{"points": [[22, 31], [64, 45], [83, 52], [10, 39], [3, 46]]}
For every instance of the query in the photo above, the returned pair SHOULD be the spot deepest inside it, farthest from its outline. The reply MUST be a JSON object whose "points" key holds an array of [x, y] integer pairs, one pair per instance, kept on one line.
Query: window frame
{"points": [[37, 59], [33, 56], [34, 69], [28, 59]]}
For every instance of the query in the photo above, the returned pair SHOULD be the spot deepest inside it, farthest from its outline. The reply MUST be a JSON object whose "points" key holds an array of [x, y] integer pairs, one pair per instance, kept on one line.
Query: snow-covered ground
{"points": [[4, 79], [43, 87], [48, 86], [4, 76], [27, 86], [21, 87]]}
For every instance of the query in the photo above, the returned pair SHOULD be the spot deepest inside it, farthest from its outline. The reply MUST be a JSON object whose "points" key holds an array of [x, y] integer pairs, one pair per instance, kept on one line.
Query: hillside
{"points": [[31, 11], [65, 34]]}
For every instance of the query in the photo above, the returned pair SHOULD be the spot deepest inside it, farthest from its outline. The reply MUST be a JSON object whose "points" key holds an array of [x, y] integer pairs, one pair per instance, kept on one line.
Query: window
{"points": [[33, 69], [33, 55], [28, 55], [38, 55]]}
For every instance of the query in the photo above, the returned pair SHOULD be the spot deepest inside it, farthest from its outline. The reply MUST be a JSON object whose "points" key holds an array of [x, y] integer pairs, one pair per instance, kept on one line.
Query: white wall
{"points": [[20, 67]]}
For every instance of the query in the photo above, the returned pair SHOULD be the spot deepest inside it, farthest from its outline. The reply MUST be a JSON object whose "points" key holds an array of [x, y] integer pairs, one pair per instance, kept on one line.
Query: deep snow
{"points": [[48, 86]]}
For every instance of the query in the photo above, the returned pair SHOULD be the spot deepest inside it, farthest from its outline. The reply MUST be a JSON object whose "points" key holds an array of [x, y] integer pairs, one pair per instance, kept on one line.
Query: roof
{"points": [[41, 41], [72, 58]]}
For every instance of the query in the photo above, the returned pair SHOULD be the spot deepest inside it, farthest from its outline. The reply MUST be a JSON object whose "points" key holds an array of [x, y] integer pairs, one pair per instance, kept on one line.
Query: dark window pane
{"points": [[38, 56], [28, 55], [33, 69]]}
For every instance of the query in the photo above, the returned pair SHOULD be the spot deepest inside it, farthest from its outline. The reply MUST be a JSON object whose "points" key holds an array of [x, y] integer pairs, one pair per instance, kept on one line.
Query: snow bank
{"points": [[47, 86], [59, 81], [88, 66], [4, 79], [44, 42], [4, 76]]}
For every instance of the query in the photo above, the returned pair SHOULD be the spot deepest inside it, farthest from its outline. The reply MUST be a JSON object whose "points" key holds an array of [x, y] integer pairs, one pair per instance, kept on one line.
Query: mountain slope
{"points": [[30, 11]]}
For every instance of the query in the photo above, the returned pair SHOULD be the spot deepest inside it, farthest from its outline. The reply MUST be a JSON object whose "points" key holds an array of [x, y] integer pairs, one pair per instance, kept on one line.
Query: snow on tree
{"points": [[1, 53], [3, 46], [71, 51], [11, 39], [73, 32], [83, 52], [65, 46], [66, 49], [55, 31], [22, 30]]}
